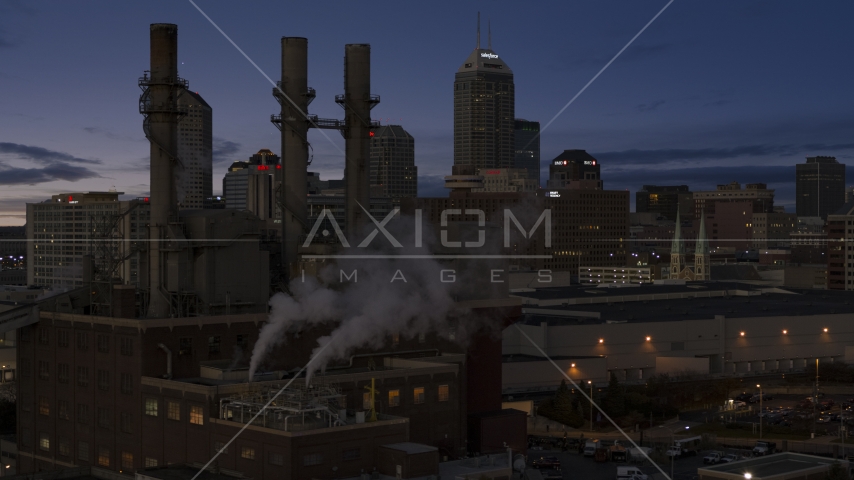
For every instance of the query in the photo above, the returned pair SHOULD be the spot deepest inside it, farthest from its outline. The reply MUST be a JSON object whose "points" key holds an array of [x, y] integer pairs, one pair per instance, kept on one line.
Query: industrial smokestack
{"points": [[357, 106], [294, 127], [159, 104]]}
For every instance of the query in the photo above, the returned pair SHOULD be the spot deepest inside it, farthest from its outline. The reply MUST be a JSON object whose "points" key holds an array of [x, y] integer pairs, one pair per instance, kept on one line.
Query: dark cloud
{"points": [[648, 107], [432, 186], [53, 166], [224, 150], [41, 155], [114, 136], [55, 171], [651, 157]]}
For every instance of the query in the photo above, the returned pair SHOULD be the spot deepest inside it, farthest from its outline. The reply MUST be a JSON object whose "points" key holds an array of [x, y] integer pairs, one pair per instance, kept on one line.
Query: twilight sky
{"points": [[712, 92]]}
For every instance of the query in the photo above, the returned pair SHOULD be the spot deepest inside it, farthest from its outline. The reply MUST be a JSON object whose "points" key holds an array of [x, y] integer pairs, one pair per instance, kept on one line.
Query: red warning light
{"points": [[263, 167], [70, 198], [278, 167], [145, 199], [371, 134]]}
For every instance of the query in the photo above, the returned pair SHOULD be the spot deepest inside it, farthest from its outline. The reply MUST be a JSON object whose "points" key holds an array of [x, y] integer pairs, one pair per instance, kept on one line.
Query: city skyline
{"points": [[679, 107]]}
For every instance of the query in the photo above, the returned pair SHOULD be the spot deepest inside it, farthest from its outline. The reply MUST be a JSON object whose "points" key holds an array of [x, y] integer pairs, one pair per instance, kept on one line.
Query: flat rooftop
{"points": [[770, 466], [662, 303], [186, 472]]}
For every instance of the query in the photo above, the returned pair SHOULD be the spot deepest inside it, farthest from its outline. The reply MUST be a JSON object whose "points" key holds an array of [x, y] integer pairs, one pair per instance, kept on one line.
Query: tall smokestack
{"points": [[292, 195], [357, 118], [161, 125]]}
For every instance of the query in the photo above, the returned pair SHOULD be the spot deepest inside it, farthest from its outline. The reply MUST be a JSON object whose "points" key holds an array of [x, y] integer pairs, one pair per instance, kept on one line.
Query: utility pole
{"points": [[590, 382], [815, 399], [760, 410]]}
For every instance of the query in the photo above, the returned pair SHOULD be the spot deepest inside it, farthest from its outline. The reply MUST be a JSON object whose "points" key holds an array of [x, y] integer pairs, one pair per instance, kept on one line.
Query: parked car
{"points": [[731, 458], [764, 448], [738, 404], [542, 463], [744, 396], [713, 458]]}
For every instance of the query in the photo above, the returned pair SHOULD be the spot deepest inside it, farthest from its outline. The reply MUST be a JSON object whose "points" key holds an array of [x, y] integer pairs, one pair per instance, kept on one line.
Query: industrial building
{"points": [[139, 376], [527, 137], [484, 110], [710, 328], [819, 187], [779, 466], [393, 167]]}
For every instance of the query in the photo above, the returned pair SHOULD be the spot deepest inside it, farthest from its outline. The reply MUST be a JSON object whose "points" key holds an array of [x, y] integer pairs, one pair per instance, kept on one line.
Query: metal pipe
{"points": [[357, 118], [293, 186], [168, 359]]}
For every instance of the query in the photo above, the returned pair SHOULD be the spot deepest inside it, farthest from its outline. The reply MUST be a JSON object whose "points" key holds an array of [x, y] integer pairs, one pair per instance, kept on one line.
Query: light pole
{"points": [[760, 410], [672, 444], [590, 382]]}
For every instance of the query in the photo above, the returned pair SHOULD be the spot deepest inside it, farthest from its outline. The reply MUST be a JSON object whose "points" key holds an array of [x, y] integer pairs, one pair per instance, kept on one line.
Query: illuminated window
{"points": [[151, 407], [173, 411], [444, 393], [44, 406], [247, 452], [104, 456], [150, 462], [44, 441], [394, 398], [197, 415], [127, 460], [418, 395]]}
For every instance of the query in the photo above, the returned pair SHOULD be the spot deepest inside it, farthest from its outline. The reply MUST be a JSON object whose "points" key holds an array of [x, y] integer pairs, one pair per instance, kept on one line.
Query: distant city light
{"points": [[825, 330], [785, 332], [648, 338]]}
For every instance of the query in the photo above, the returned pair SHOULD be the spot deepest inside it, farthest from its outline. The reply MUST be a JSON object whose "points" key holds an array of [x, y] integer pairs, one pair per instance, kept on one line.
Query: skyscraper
{"points": [[393, 163], [664, 200], [820, 187], [527, 138], [195, 151], [249, 185], [484, 110]]}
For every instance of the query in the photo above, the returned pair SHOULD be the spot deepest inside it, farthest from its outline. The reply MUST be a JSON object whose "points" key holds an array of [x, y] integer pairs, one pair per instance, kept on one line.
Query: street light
{"points": [[748, 476], [590, 382], [760, 410]]}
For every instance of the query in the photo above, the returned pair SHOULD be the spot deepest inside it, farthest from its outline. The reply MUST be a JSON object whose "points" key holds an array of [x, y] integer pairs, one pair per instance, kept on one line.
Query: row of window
{"points": [[173, 411], [104, 415], [104, 458], [443, 394], [63, 337], [308, 460]]}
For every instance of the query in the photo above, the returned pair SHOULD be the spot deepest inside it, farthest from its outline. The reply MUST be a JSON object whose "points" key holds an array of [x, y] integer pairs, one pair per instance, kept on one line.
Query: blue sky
{"points": [[711, 92]]}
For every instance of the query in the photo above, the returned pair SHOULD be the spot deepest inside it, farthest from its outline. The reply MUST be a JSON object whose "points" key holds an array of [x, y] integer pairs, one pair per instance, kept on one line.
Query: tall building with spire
{"points": [[484, 110], [701, 254]]}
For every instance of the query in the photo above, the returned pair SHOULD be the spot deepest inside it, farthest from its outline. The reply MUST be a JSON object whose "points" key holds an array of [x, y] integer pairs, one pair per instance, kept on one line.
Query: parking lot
{"points": [[577, 467]]}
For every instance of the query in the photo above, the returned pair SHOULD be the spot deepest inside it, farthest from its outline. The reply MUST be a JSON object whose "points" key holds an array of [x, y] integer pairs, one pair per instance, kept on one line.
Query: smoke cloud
{"points": [[387, 296]]}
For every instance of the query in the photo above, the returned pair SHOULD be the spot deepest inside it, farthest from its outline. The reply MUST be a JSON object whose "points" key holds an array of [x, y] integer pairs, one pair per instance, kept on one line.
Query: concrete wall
{"points": [[679, 366], [542, 375], [763, 348]]}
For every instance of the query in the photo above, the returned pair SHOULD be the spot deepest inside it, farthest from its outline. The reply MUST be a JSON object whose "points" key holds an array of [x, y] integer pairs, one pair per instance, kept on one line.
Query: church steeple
{"points": [[701, 254]]}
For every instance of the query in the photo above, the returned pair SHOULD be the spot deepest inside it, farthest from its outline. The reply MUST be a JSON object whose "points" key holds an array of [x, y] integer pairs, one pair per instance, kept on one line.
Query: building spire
{"points": [[489, 34], [478, 31], [702, 240], [677, 246]]}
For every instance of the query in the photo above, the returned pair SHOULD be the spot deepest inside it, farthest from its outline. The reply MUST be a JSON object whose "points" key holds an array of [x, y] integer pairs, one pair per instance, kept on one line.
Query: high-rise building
{"points": [[664, 200], [195, 151], [393, 163], [840, 238], [575, 169], [71, 226], [250, 185], [820, 187], [506, 180], [484, 111], [527, 138], [761, 199]]}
